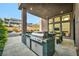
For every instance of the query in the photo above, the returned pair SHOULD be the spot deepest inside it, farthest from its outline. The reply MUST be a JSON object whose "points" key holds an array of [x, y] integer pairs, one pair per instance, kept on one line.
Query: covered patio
{"points": [[46, 11]]}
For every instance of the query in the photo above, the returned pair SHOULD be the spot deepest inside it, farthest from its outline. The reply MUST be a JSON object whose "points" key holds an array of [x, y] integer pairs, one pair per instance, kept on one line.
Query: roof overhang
{"points": [[44, 10]]}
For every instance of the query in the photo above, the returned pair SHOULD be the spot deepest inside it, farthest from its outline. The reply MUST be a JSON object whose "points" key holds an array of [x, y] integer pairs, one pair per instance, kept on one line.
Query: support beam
{"points": [[61, 32], [24, 25], [47, 19]]}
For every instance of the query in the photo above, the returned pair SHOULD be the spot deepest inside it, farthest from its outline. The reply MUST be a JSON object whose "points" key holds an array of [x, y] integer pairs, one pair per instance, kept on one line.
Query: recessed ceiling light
{"points": [[61, 11], [31, 8]]}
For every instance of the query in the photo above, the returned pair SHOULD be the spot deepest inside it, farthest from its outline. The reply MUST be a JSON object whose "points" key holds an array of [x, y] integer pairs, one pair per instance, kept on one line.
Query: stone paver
{"points": [[15, 47]]}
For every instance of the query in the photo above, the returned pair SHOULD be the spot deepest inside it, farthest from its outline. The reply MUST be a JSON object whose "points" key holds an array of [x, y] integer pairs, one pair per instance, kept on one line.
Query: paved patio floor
{"points": [[15, 47], [66, 48]]}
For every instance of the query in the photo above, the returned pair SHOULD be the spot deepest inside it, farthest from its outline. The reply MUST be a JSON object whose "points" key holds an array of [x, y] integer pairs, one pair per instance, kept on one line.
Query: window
{"points": [[50, 20], [57, 28], [57, 25], [66, 18], [50, 27], [57, 19], [66, 28]]}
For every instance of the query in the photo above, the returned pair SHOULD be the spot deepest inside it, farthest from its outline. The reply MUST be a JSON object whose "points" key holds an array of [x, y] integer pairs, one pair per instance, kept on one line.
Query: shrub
{"points": [[3, 34], [16, 29]]}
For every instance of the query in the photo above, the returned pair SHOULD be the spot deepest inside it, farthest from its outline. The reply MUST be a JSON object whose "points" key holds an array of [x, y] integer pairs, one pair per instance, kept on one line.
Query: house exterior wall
{"points": [[13, 24]]}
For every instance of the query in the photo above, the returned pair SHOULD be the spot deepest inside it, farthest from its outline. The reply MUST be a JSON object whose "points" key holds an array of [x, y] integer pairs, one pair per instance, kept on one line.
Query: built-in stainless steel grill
{"points": [[38, 36], [42, 43]]}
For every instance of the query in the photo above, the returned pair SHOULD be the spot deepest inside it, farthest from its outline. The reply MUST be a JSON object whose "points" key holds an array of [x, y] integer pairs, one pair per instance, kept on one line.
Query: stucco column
{"points": [[24, 20], [24, 24], [76, 13], [72, 26], [44, 25], [41, 22]]}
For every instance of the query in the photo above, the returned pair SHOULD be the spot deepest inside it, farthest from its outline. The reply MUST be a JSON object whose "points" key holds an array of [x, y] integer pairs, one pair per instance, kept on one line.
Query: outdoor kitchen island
{"points": [[41, 43]]}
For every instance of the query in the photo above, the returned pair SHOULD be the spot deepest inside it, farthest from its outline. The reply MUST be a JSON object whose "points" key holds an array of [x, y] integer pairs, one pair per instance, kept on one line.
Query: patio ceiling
{"points": [[44, 10]]}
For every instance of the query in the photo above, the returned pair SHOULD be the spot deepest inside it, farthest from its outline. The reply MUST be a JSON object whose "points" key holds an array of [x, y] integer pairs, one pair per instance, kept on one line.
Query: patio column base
{"points": [[24, 38]]}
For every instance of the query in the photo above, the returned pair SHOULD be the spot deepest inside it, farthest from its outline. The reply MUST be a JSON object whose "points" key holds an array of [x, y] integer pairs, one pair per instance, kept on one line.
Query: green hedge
{"points": [[3, 34]]}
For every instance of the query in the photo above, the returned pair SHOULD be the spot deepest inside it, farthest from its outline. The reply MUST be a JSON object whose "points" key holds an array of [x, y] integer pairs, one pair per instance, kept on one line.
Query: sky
{"points": [[10, 10]]}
